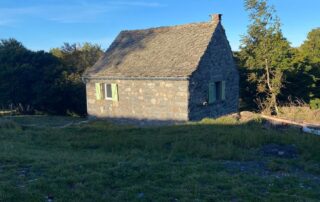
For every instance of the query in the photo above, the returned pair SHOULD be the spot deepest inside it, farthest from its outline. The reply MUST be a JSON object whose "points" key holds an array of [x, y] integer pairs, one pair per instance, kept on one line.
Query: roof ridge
{"points": [[213, 24]]}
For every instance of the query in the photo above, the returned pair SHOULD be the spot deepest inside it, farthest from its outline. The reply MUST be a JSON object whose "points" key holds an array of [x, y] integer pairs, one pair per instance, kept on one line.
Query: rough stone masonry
{"points": [[177, 73]]}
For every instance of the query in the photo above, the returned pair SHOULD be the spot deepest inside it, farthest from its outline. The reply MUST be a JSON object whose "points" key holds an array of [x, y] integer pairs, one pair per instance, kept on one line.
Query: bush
{"points": [[315, 103]]}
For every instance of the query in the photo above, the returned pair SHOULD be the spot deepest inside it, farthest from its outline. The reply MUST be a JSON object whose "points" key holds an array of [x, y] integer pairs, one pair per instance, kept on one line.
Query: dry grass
{"points": [[300, 114], [6, 112]]}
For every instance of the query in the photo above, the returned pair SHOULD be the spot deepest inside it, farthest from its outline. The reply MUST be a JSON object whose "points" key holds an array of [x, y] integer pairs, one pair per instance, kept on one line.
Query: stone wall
{"points": [[163, 100], [216, 65]]}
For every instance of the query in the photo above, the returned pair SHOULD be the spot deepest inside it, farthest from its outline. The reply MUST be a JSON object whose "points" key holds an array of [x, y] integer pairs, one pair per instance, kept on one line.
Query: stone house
{"points": [[177, 73]]}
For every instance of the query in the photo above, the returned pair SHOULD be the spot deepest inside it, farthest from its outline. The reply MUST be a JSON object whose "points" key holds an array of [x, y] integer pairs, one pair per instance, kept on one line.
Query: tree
{"points": [[46, 82], [310, 51], [303, 77], [28, 78], [300, 80], [76, 58], [265, 52], [311, 47]]}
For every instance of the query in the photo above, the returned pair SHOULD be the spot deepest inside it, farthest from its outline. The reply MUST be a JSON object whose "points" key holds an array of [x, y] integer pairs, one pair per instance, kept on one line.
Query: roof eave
{"points": [[86, 78]]}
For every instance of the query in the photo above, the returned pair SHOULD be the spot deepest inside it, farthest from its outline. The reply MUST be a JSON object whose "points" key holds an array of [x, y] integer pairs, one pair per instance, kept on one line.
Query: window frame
{"points": [[217, 91], [106, 91]]}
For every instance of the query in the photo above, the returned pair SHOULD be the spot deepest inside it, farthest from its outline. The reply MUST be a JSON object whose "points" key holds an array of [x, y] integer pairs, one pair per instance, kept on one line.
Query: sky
{"points": [[46, 24]]}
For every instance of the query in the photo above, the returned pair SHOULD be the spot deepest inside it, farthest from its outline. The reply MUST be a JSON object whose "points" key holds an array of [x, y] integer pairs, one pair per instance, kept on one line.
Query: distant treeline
{"points": [[43, 82]]}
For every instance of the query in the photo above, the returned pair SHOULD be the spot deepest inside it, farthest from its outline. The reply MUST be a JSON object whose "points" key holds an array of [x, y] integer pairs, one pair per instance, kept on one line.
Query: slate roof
{"points": [[158, 52]]}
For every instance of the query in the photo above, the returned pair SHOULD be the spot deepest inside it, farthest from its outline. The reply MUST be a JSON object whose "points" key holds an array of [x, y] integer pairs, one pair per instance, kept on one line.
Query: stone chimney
{"points": [[216, 18]]}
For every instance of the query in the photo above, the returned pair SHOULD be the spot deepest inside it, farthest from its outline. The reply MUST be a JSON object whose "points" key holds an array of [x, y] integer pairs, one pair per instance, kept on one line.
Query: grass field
{"points": [[213, 160]]}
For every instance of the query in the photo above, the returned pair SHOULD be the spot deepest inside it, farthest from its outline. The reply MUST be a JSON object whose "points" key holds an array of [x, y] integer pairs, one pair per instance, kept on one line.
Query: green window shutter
{"points": [[102, 91], [114, 88], [212, 93], [223, 90], [98, 91]]}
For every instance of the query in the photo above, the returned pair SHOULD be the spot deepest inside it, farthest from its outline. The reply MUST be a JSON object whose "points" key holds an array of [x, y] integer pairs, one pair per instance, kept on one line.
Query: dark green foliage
{"points": [[40, 81], [76, 59], [248, 88], [310, 51], [311, 47], [28, 79], [303, 76], [300, 81]]}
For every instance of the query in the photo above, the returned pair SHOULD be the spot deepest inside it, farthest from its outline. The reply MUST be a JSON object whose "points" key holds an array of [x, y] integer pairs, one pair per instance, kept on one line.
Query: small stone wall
{"points": [[163, 100]]}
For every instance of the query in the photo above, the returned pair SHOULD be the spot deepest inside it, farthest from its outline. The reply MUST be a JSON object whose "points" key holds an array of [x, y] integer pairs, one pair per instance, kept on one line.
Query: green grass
{"points": [[43, 120], [213, 160]]}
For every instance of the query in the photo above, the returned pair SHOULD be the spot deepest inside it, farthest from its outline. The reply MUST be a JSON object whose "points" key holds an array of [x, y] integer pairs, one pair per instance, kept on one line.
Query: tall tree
{"points": [[28, 79], [46, 82], [310, 51], [300, 81], [265, 52], [311, 47], [76, 58]]}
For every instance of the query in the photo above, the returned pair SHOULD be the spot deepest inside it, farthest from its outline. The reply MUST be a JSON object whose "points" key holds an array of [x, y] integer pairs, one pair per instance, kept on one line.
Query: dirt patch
{"points": [[282, 151], [245, 166], [262, 169]]}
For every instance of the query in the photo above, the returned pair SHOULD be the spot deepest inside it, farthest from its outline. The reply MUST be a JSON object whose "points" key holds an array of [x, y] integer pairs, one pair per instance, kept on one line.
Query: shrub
{"points": [[315, 103]]}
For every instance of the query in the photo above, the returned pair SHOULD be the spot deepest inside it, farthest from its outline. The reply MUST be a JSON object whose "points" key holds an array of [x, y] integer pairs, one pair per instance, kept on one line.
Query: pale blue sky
{"points": [[44, 24]]}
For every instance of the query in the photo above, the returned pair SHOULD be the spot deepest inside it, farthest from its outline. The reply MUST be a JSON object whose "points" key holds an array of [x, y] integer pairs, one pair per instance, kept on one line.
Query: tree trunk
{"points": [[268, 76], [273, 104]]}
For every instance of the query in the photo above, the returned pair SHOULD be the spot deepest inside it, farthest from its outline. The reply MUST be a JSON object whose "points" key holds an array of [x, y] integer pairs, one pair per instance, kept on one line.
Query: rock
{"points": [[247, 116], [49, 198], [141, 195]]}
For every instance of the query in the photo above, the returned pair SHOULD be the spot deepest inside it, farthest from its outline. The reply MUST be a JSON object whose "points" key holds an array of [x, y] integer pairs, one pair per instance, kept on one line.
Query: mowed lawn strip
{"points": [[210, 160]]}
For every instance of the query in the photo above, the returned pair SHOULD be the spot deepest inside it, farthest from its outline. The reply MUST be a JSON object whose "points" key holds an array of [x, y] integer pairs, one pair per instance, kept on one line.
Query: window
{"points": [[107, 91], [217, 91]]}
